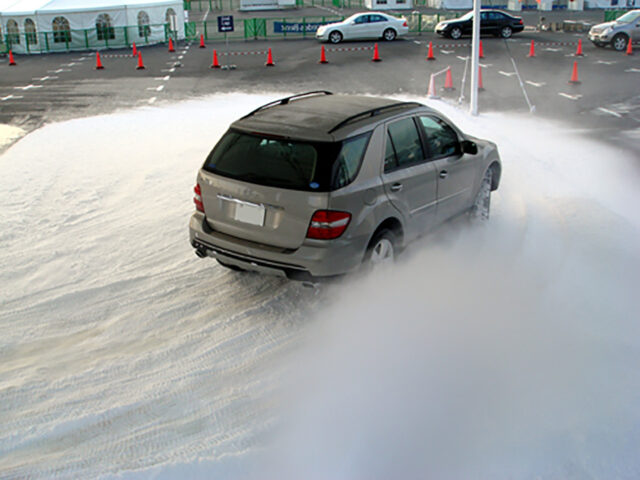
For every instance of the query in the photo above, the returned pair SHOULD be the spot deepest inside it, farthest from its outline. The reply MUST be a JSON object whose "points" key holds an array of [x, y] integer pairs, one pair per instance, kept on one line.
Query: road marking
{"points": [[28, 87], [157, 89], [446, 52], [570, 97], [603, 62], [535, 84], [486, 65], [11, 97], [182, 56], [163, 79], [610, 112], [633, 70], [69, 64], [553, 49], [153, 99], [417, 42], [462, 58], [507, 74], [42, 79], [60, 70]]}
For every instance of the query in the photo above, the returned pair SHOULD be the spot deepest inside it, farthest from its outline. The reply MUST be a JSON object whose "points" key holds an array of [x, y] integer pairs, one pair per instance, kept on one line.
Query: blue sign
{"points": [[293, 27], [225, 23]]}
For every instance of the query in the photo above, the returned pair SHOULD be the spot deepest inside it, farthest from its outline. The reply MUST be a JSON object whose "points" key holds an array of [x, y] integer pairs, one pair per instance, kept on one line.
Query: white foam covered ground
{"points": [[505, 350]]}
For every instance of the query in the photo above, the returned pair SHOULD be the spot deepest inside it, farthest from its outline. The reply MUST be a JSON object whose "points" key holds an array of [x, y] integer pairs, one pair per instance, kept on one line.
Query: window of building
{"points": [[61, 30], [104, 28], [144, 30], [13, 32], [30, 32]]}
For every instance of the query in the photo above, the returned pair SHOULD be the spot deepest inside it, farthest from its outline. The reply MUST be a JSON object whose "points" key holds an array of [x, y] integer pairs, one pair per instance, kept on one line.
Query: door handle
{"points": [[396, 187], [444, 174]]}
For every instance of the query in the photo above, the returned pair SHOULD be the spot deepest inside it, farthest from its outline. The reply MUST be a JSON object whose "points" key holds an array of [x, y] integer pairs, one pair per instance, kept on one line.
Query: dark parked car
{"points": [[492, 22]]}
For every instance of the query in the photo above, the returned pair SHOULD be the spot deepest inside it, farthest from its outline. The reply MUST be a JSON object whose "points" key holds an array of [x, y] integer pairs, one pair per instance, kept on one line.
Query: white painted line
{"points": [[172, 69], [463, 58], [60, 70], [160, 88], [610, 112], [570, 97], [417, 42], [633, 70], [69, 64], [507, 74], [446, 52], [28, 87], [486, 65], [549, 49], [163, 79], [535, 84], [11, 97], [182, 56], [43, 79], [152, 99], [603, 62]]}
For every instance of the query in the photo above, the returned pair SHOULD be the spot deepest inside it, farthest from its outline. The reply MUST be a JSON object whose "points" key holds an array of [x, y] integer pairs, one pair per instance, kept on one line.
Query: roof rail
{"points": [[373, 112], [284, 101]]}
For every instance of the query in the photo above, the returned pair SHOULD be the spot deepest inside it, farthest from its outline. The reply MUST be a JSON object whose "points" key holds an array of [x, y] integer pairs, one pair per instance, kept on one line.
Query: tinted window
{"points": [[283, 163], [390, 161], [442, 140], [406, 142], [377, 18], [362, 19]]}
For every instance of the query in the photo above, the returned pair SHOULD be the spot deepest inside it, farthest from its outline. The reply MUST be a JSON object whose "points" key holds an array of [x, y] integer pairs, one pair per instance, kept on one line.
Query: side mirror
{"points": [[469, 147]]}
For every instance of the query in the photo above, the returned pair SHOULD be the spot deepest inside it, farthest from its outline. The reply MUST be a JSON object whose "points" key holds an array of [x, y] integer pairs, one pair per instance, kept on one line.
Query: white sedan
{"points": [[360, 26]]}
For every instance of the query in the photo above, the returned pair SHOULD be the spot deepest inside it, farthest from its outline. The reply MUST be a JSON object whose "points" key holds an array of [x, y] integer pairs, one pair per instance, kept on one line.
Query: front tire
{"points": [[335, 37], [381, 251], [482, 203], [389, 35], [619, 42], [455, 33], [506, 32]]}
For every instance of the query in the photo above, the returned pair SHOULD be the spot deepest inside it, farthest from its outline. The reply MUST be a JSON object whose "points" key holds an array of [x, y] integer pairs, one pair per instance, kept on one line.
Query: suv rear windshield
{"points": [[284, 163]]}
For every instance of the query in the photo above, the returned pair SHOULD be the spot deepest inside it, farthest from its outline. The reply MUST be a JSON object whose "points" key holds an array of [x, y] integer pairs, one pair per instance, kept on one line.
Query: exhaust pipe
{"points": [[201, 252]]}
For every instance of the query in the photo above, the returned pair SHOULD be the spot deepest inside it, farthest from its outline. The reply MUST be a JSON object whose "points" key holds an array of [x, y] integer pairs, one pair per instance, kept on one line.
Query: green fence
{"points": [[87, 39], [611, 15]]}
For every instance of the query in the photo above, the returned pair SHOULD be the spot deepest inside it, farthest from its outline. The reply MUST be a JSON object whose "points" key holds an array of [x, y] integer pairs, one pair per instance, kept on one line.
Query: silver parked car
{"points": [[362, 26], [315, 185], [617, 33]]}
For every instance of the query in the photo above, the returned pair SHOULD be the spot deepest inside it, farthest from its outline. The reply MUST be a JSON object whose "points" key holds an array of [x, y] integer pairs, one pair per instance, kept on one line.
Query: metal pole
{"points": [[475, 60]]}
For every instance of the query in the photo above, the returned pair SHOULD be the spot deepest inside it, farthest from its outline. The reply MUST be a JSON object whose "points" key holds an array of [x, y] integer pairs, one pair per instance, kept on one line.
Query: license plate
{"points": [[247, 213]]}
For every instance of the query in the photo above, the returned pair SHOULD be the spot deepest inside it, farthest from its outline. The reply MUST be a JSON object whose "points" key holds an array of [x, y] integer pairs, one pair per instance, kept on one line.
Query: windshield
{"points": [[284, 163], [629, 17]]}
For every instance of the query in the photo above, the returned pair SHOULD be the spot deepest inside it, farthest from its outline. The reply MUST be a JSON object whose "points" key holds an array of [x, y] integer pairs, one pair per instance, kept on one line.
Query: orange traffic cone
{"points": [[448, 80], [480, 85], [202, 40], [140, 64], [574, 75], [323, 57], [215, 63], [532, 50], [11, 60], [269, 59], [629, 47], [376, 56], [430, 52], [171, 49], [134, 50], [481, 55], [98, 61], [579, 49]]}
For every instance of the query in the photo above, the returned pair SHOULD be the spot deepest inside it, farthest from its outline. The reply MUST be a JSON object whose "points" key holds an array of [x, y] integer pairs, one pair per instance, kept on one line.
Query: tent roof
{"points": [[21, 7], [29, 7]]}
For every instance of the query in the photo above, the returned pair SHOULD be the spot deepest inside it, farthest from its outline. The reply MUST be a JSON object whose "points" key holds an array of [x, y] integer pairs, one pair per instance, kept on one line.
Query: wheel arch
{"points": [[496, 172], [392, 224]]}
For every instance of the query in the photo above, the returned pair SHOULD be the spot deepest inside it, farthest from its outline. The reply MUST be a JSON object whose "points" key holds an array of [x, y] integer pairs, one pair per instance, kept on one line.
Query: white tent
{"points": [[59, 25]]}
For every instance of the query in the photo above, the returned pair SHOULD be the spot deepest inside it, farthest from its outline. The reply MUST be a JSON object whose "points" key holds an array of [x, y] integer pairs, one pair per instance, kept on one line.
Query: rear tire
{"points": [[619, 42], [389, 35], [506, 32], [335, 37], [482, 203], [381, 251]]}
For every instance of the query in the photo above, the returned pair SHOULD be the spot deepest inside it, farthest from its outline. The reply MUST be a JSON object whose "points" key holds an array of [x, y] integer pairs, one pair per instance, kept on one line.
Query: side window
{"points": [[442, 140], [362, 19], [377, 18], [406, 141], [348, 162], [390, 161]]}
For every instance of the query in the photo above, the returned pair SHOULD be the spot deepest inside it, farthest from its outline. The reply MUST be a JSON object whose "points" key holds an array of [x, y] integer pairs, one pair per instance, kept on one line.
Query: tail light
{"points": [[197, 198], [405, 24], [328, 224], [520, 22]]}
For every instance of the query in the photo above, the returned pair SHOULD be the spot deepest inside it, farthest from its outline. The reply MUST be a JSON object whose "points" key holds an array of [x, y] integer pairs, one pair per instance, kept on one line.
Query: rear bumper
{"points": [[313, 260]]}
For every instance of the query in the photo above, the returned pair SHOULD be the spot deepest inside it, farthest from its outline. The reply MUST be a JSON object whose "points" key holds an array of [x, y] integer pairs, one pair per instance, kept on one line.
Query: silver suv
{"points": [[315, 185], [617, 33]]}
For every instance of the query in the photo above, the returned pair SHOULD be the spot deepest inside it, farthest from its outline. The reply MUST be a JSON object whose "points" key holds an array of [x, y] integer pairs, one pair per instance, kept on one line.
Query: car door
{"points": [[358, 28], [467, 26], [377, 25], [409, 180], [635, 30], [455, 170], [488, 23]]}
